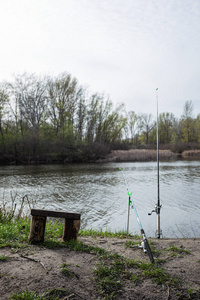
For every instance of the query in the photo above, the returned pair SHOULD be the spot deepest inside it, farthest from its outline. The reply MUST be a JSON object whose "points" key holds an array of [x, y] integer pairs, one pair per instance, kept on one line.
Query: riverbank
{"points": [[131, 155], [143, 155], [96, 266]]}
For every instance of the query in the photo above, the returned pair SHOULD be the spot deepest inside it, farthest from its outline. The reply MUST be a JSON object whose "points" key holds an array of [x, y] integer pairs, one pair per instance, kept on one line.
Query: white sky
{"points": [[124, 48]]}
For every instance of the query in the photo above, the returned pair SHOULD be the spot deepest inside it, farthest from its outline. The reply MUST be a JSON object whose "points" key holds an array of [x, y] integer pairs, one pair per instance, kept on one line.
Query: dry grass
{"points": [[191, 153], [139, 155]]}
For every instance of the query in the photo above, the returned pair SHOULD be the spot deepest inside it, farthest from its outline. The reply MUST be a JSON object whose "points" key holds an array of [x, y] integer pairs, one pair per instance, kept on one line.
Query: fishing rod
{"points": [[145, 243], [157, 207]]}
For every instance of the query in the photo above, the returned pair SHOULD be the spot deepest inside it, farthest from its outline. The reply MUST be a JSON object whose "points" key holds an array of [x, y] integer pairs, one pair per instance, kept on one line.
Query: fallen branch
{"points": [[168, 293], [71, 296], [35, 260]]}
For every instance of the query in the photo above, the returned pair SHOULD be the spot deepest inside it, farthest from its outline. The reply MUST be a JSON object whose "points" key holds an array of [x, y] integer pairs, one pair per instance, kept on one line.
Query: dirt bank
{"points": [[37, 268]]}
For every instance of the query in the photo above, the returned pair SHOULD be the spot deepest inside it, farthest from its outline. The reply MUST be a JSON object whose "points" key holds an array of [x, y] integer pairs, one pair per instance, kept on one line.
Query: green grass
{"points": [[53, 229], [193, 294], [15, 232], [27, 296], [111, 274], [53, 294], [4, 258], [108, 279], [132, 244], [175, 251], [67, 272], [107, 233], [157, 274]]}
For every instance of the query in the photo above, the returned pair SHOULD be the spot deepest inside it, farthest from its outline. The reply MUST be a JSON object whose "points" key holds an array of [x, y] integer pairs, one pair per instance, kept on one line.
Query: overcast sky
{"points": [[123, 48]]}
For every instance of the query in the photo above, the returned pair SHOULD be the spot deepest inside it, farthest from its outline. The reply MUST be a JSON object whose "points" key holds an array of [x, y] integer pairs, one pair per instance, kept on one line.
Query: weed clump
{"points": [[53, 294]]}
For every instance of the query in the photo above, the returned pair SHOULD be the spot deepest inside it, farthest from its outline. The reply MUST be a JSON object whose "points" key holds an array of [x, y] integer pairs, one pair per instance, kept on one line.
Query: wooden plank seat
{"points": [[38, 223]]}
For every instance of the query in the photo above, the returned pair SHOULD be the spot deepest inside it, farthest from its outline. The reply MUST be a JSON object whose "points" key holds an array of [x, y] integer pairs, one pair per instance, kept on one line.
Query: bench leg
{"points": [[37, 229], [71, 229]]}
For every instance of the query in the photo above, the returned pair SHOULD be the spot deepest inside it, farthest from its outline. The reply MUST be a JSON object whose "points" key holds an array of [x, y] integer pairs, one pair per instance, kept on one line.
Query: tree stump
{"points": [[37, 229]]}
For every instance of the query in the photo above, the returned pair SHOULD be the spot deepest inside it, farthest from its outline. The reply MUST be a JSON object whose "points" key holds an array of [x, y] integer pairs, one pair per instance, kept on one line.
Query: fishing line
{"points": [[145, 243]]}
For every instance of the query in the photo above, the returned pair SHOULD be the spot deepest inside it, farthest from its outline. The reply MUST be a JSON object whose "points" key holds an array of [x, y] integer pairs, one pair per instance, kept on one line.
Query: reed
{"points": [[139, 155], [191, 153], [18, 207]]}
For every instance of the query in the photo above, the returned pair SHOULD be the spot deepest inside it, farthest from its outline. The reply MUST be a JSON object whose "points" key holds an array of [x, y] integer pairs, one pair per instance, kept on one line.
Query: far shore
{"points": [[131, 155], [134, 155]]}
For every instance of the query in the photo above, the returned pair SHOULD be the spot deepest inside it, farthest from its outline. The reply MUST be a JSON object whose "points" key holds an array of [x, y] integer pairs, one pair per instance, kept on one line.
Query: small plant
{"points": [[177, 251], [109, 276], [4, 258], [157, 274], [14, 233], [193, 294], [107, 280], [132, 244], [27, 296], [54, 229], [4, 274], [198, 261], [67, 272], [53, 294]]}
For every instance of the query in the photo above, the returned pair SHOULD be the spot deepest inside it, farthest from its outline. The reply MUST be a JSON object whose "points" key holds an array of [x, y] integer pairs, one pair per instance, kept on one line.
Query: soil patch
{"points": [[37, 268]]}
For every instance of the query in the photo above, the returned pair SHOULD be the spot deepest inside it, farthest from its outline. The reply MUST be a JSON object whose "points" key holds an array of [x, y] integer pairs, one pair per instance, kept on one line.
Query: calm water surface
{"points": [[98, 192]]}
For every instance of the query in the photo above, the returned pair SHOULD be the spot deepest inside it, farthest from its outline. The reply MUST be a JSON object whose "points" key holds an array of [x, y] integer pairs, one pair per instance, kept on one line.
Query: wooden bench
{"points": [[38, 222]]}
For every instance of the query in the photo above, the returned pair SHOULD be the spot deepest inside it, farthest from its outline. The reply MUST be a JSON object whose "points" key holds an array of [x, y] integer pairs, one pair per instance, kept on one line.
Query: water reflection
{"points": [[99, 193]]}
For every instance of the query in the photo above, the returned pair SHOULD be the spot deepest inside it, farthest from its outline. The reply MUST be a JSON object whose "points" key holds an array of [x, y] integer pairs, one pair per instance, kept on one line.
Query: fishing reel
{"points": [[156, 209]]}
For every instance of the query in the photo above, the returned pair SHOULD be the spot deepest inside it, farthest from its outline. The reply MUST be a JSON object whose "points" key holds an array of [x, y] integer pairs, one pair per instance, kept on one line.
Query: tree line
{"points": [[54, 119]]}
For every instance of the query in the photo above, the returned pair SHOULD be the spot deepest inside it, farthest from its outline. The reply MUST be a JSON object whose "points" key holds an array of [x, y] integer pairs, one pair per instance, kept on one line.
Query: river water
{"points": [[99, 193]]}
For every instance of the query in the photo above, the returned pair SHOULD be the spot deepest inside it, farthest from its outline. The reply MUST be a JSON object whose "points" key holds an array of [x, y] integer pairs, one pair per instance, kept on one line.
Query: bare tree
{"points": [[132, 124], [166, 125], [81, 116], [28, 100], [146, 124], [3, 101]]}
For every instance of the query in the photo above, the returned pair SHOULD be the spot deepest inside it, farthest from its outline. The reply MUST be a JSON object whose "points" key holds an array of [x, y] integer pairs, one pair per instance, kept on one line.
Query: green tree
{"points": [[64, 95], [166, 124], [197, 128], [187, 123], [104, 124], [175, 132], [114, 125]]}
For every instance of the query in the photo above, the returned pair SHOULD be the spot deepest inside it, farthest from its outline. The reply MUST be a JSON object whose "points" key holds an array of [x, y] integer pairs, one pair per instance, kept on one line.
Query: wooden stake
{"points": [[37, 229], [71, 229]]}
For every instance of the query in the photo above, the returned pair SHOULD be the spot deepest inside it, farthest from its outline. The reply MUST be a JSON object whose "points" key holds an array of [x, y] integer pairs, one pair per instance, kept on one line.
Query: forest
{"points": [[46, 119]]}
